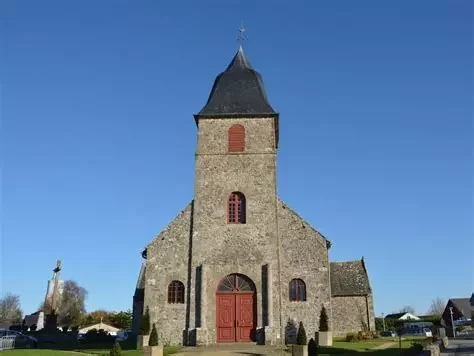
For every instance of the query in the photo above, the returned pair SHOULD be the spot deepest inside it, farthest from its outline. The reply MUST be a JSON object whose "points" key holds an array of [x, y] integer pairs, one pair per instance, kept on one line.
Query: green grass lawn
{"points": [[350, 348], [362, 345], [169, 350], [35, 352]]}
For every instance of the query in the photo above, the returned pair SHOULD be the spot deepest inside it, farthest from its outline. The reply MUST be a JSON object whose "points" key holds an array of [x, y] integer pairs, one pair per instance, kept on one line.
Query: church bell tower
{"points": [[235, 229], [235, 186]]}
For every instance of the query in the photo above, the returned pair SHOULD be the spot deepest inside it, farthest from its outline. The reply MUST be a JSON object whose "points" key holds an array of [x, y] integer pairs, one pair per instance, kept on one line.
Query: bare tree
{"points": [[437, 306], [407, 309], [72, 306], [10, 310]]}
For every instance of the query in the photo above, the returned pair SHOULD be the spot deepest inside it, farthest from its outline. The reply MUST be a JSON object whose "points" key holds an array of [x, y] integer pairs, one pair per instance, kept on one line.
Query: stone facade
{"points": [[352, 313], [304, 254], [274, 246]]}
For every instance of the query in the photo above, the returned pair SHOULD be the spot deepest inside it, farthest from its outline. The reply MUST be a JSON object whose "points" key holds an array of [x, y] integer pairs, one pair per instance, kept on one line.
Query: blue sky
{"points": [[98, 137]]}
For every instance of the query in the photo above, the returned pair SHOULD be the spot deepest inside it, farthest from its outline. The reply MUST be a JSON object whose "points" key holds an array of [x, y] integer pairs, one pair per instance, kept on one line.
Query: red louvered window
{"points": [[236, 208], [176, 292], [236, 138]]}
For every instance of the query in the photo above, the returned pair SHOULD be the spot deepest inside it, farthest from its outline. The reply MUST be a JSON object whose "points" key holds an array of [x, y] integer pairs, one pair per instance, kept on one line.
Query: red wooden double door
{"points": [[235, 317], [235, 309]]}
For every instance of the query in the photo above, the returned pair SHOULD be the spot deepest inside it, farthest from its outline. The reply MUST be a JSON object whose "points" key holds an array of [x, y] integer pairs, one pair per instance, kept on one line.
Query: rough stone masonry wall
{"points": [[222, 248], [304, 255], [349, 313], [167, 260], [370, 303]]}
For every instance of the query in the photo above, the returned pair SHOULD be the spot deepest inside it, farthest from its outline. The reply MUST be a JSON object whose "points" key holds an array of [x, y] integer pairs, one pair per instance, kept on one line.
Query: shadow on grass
{"points": [[391, 351], [71, 346]]}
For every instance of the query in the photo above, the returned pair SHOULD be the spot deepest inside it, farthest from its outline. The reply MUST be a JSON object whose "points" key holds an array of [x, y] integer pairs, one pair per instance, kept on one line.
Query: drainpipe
{"points": [[367, 310], [282, 336]]}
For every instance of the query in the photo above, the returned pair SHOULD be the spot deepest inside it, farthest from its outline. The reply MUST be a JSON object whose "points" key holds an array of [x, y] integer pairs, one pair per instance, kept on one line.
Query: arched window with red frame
{"points": [[297, 290], [176, 292], [236, 208], [236, 137]]}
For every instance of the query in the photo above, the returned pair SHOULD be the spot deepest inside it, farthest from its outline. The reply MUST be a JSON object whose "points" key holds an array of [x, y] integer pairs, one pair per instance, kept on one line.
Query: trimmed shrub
{"points": [[153, 340], [33, 327], [291, 330], [65, 329], [116, 349], [352, 337], [323, 320], [301, 337], [312, 348], [98, 336], [145, 325], [417, 346]]}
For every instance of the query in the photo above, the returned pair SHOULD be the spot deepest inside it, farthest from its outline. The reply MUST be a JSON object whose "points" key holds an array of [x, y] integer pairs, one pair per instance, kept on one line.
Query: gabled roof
{"points": [[395, 315], [349, 278], [141, 277], [401, 315], [238, 91], [463, 305], [99, 326], [139, 294]]}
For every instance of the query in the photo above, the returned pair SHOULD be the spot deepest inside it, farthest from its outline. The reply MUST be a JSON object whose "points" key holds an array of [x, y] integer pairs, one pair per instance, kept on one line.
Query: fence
{"points": [[7, 342]]}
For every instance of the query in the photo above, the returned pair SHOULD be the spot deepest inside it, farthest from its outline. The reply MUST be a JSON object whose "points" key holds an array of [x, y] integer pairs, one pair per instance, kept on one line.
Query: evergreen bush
{"points": [[323, 320], [301, 337], [312, 348], [153, 340], [116, 349], [145, 325]]}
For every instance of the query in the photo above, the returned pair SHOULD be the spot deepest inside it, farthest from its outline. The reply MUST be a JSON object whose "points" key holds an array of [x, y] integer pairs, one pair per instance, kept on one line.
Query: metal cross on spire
{"points": [[241, 36]]}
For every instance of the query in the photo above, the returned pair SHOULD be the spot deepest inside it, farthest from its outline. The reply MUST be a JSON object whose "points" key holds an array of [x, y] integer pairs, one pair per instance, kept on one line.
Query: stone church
{"points": [[238, 264]]}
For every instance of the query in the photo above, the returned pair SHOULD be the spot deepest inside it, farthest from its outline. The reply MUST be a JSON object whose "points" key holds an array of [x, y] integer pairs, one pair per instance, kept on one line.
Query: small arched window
{"points": [[176, 292], [236, 138], [297, 290], [236, 208]]}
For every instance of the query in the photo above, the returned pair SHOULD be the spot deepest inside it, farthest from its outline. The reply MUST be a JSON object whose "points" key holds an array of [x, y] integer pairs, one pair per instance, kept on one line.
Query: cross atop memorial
{"points": [[56, 271]]}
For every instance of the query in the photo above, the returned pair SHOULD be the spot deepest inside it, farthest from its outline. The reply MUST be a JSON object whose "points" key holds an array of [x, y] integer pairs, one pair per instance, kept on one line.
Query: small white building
{"points": [[402, 316], [100, 326]]}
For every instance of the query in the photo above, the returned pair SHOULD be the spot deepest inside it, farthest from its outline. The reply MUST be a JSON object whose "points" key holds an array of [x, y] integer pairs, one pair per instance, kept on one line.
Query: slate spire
{"points": [[238, 91]]}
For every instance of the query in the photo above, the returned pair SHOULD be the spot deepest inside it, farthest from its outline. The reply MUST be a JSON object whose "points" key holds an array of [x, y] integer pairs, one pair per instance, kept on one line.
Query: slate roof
{"points": [[238, 91], [349, 278], [463, 305], [139, 294]]}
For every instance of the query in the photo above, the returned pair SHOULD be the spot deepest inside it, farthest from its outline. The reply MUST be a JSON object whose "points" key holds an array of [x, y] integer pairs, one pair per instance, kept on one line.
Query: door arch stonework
{"points": [[236, 309]]}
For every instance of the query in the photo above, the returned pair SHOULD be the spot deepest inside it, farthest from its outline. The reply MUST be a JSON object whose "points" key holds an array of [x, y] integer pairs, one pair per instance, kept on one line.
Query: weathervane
{"points": [[241, 36]]}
